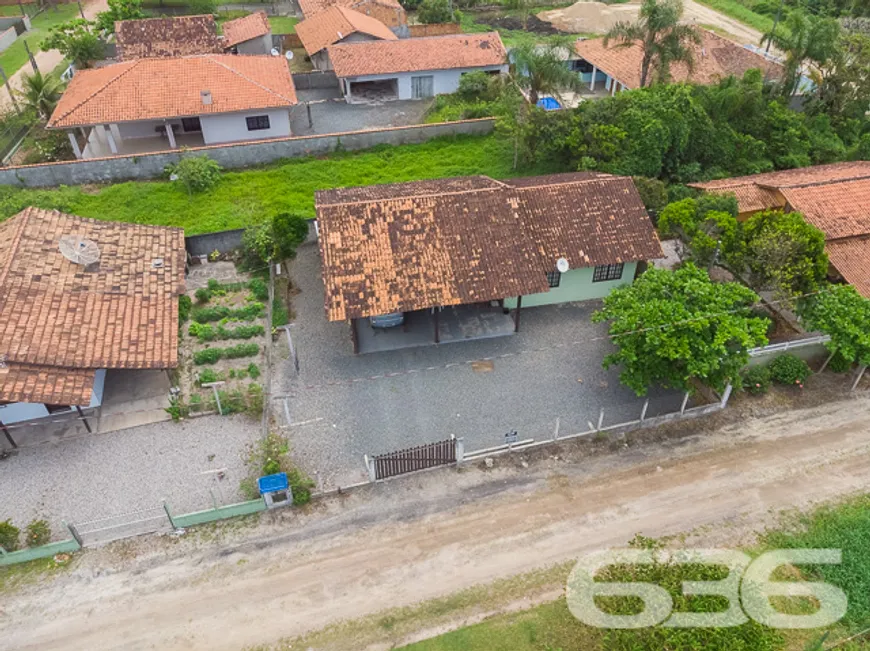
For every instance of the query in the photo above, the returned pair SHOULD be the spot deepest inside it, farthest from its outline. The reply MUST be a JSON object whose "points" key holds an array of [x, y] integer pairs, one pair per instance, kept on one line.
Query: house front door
{"points": [[422, 87]]}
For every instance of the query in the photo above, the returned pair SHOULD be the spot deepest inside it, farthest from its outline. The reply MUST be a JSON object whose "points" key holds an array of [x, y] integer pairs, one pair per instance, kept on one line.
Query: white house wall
{"points": [[445, 82], [259, 45], [232, 127]]}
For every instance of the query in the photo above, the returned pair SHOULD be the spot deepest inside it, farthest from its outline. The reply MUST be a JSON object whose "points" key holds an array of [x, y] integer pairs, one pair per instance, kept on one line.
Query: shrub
{"points": [[201, 331], [756, 380], [219, 312], [473, 85], [788, 369], [208, 375], [259, 289], [255, 400], [184, 305], [38, 533], [240, 332], [253, 371], [435, 11], [196, 173], [241, 350], [207, 356], [839, 364], [214, 285], [9, 536], [274, 239], [202, 295]]}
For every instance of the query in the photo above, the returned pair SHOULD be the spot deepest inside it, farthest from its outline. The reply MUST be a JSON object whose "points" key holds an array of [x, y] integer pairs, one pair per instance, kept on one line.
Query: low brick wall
{"points": [[239, 155], [434, 29]]}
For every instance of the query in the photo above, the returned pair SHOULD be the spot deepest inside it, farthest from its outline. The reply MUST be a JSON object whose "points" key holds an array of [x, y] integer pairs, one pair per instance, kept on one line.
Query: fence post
{"points": [[858, 379], [683, 406], [643, 410], [556, 431], [370, 466], [169, 515], [825, 365], [75, 534], [600, 419], [460, 449], [725, 396]]}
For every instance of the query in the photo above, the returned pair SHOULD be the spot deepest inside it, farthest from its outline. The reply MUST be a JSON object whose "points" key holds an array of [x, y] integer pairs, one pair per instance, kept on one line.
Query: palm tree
{"points": [[661, 37], [803, 38], [41, 93], [543, 69]]}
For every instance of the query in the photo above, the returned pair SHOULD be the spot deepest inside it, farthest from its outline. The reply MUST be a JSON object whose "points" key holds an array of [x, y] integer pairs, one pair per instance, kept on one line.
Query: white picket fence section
{"points": [[789, 345]]}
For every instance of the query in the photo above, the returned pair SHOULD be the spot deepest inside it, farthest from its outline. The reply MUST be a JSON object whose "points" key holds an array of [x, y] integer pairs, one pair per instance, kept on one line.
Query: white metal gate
{"points": [[124, 525]]}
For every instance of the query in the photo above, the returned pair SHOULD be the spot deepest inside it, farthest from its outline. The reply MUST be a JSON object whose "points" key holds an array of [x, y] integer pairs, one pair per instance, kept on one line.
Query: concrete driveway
{"points": [[331, 114], [548, 373]]}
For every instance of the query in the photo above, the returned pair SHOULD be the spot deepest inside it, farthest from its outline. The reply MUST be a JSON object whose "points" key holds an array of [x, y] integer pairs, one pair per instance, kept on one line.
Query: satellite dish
{"points": [[79, 250], [275, 52], [289, 55], [562, 265]]}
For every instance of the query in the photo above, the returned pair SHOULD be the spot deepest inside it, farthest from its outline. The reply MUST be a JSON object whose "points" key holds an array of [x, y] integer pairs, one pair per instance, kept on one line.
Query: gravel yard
{"points": [[334, 116], [551, 373], [107, 474]]}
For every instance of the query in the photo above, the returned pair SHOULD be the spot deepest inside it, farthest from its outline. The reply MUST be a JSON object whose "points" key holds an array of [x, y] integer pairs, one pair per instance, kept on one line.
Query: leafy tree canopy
{"points": [[841, 312], [119, 10], [671, 327], [435, 11], [76, 40]]}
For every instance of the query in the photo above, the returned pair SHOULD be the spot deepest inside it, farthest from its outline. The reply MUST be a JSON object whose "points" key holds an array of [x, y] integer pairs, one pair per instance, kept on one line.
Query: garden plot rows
{"points": [[223, 341]]}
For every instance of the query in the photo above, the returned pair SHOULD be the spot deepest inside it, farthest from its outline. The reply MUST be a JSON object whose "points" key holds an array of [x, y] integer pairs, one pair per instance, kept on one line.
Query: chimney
{"points": [[206, 97]]}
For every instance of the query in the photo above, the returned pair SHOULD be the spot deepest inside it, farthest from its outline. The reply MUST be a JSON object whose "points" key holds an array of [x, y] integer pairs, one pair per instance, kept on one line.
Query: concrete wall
{"points": [[259, 45], [222, 241], [7, 38], [34, 553], [232, 127], [446, 81], [320, 60], [317, 79], [20, 23], [576, 285], [232, 156], [220, 513]]}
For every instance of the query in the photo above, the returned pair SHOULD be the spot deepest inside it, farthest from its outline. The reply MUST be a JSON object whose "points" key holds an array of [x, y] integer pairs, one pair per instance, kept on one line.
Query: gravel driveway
{"points": [[546, 378], [335, 115], [108, 474]]}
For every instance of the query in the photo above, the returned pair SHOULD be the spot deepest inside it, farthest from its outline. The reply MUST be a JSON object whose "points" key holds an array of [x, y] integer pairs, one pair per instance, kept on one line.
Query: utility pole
{"points": [[30, 56], [775, 23], [9, 88]]}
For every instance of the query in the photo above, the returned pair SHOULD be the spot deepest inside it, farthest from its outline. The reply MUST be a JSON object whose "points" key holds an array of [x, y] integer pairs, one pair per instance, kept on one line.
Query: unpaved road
{"points": [[47, 61], [597, 18], [440, 532]]}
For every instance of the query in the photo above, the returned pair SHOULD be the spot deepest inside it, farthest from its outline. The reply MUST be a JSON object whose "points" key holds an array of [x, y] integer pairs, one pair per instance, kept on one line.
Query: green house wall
{"points": [[576, 285]]}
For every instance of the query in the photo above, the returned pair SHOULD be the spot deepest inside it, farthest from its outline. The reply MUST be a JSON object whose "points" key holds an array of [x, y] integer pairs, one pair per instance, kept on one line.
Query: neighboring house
{"points": [[834, 198], [250, 34], [469, 242], [158, 104], [619, 67], [389, 12], [166, 37], [65, 324], [414, 68], [338, 25]]}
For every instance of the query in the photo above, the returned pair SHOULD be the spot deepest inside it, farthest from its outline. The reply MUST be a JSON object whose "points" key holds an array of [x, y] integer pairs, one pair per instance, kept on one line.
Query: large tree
{"points": [[662, 38], [77, 42], [119, 10], [843, 80], [541, 69], [841, 312], [672, 327], [805, 39]]}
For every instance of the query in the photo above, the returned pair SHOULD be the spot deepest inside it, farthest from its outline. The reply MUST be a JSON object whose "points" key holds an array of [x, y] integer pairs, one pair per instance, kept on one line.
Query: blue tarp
{"points": [[549, 104]]}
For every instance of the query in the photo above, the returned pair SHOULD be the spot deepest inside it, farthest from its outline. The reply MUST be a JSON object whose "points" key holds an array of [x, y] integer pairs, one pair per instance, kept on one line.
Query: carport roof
{"points": [[59, 321], [411, 246]]}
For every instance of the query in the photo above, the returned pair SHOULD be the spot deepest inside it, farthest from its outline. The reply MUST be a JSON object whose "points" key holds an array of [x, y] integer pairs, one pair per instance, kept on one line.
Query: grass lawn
{"points": [[283, 24], [845, 526], [16, 56], [735, 9], [243, 196]]}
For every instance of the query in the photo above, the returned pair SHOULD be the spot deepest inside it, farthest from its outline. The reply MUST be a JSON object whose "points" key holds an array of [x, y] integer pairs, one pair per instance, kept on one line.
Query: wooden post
{"points": [[75, 534], [643, 411], [437, 334], [354, 337], [825, 365], [858, 379], [685, 401], [308, 111], [84, 419], [517, 315]]}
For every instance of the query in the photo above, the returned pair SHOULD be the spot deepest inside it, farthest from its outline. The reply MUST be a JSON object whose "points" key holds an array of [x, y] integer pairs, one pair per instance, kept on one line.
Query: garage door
{"points": [[422, 87]]}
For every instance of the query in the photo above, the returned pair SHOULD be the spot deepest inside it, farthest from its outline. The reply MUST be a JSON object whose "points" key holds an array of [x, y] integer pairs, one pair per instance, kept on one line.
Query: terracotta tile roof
{"points": [[166, 37], [851, 257], [337, 23], [411, 246], [47, 384], [413, 54], [797, 176], [245, 28], [58, 318], [715, 58], [839, 209], [150, 89], [311, 7]]}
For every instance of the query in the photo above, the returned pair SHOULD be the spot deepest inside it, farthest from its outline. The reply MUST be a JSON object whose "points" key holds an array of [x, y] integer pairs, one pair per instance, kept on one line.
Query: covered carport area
{"points": [[365, 91]]}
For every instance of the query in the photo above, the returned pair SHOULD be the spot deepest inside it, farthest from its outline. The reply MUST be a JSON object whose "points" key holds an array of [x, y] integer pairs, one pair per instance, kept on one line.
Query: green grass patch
{"points": [[283, 24], [734, 9], [244, 196], [14, 57]]}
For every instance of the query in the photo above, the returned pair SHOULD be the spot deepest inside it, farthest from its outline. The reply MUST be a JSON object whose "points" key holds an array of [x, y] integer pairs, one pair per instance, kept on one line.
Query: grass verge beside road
{"points": [[738, 11], [244, 196], [15, 56]]}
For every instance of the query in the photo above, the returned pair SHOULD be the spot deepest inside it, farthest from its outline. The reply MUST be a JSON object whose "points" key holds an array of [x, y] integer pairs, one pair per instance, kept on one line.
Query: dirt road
{"points": [[48, 61], [597, 18], [415, 539]]}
